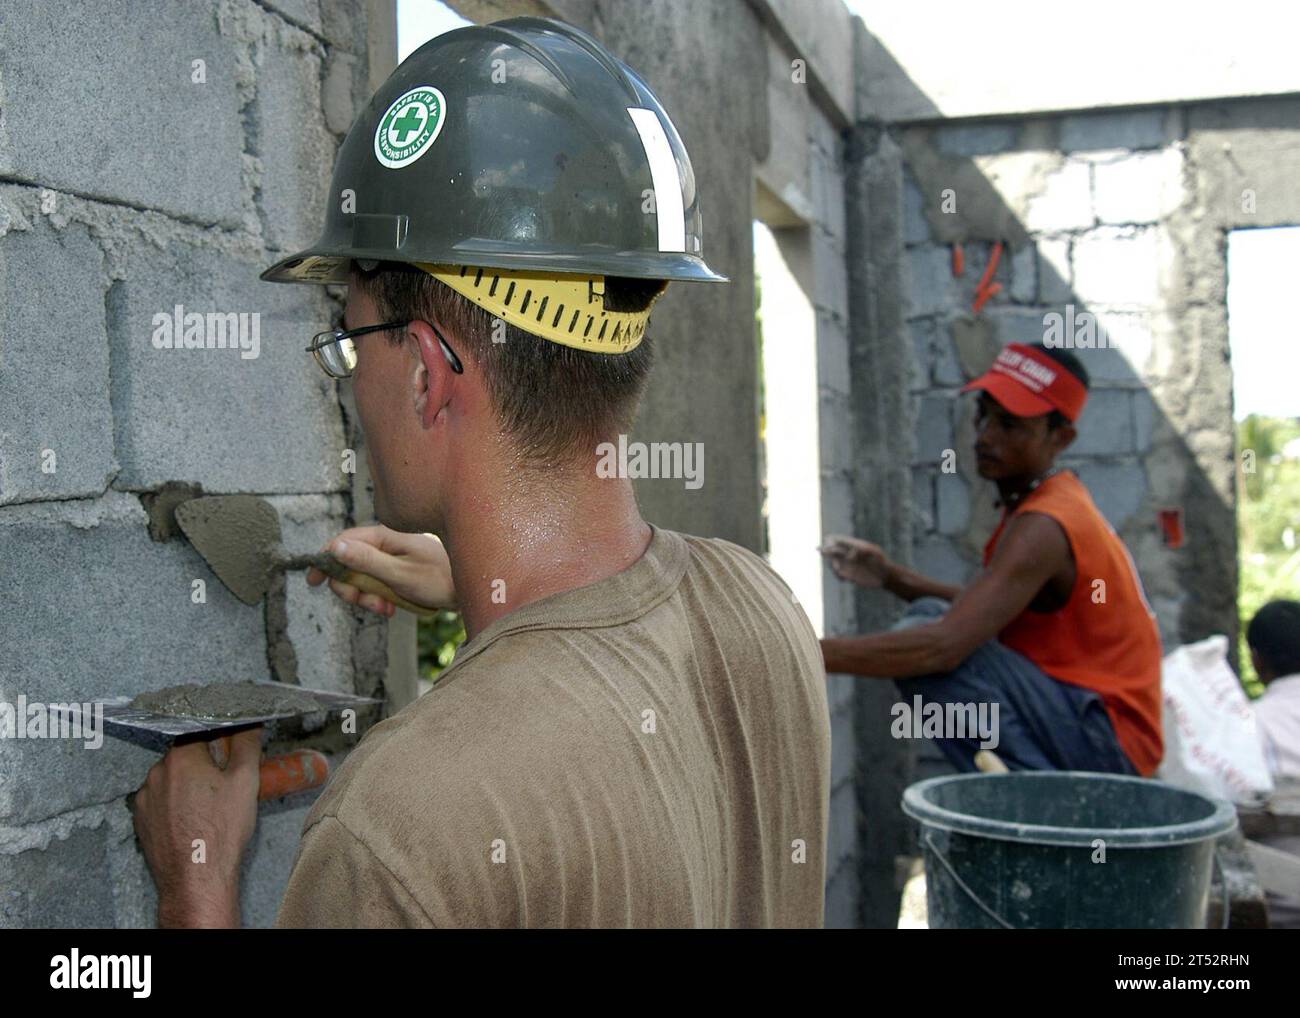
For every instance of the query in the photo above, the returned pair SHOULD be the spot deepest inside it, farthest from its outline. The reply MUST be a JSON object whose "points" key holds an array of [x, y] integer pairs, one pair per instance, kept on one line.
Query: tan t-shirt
{"points": [[649, 750]]}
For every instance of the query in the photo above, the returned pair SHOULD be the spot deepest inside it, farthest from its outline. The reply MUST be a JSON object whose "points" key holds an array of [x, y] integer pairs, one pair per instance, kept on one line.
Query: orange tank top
{"points": [[1105, 637]]}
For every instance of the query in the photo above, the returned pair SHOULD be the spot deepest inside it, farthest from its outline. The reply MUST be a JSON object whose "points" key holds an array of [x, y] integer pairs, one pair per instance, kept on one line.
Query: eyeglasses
{"points": [[336, 352]]}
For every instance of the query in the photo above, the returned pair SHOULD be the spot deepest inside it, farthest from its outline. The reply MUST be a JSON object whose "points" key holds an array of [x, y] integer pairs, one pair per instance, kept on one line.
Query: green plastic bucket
{"points": [[1065, 850]]}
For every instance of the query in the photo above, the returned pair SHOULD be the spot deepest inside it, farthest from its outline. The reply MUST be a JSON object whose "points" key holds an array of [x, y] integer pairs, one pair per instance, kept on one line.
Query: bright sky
{"points": [[976, 58], [418, 21]]}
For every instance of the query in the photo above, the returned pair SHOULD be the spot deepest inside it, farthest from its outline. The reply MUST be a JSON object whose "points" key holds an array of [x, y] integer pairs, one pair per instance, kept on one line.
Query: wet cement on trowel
{"points": [[225, 700], [239, 535]]}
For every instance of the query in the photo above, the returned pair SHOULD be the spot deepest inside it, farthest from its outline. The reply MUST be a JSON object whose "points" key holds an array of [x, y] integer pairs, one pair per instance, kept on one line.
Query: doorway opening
{"points": [[786, 332], [1265, 348]]}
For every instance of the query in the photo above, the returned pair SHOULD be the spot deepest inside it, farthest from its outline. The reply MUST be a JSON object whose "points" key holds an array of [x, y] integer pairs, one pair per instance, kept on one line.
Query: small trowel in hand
{"points": [[239, 537]]}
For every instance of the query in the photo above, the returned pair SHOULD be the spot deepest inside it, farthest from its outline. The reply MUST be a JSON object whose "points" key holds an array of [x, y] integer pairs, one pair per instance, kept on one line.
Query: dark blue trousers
{"points": [[1043, 724]]}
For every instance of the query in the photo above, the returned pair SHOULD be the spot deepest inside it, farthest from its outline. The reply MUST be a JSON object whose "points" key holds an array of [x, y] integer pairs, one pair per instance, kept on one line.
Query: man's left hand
{"points": [[194, 821]]}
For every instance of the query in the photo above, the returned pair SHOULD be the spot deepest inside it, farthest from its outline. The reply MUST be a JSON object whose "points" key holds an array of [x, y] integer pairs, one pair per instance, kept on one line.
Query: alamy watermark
{"points": [[77, 971], [24, 720], [678, 460], [920, 720], [179, 329], [1074, 330]]}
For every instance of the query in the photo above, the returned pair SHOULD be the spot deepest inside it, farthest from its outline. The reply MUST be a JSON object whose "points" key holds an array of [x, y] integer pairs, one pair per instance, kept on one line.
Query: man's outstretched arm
{"points": [[867, 565], [1033, 549], [909, 585]]}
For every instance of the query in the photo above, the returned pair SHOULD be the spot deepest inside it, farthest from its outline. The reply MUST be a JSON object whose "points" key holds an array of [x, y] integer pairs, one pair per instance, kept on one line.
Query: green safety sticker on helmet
{"points": [[409, 126]]}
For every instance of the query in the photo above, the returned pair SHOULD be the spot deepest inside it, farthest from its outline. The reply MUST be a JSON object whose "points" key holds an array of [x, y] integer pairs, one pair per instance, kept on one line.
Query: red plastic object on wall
{"points": [[1171, 527]]}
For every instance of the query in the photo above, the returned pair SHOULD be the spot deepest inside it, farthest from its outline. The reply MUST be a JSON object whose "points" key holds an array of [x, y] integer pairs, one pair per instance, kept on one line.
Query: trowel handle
{"points": [[292, 772], [280, 775], [366, 582], [332, 567]]}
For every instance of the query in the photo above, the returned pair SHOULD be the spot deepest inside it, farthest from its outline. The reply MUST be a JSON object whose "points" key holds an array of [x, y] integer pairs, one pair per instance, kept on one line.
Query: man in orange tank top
{"points": [[1050, 657]]}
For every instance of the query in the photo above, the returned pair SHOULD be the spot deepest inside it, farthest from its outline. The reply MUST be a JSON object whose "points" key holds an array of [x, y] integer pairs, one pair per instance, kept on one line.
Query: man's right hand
{"points": [[862, 562], [414, 565]]}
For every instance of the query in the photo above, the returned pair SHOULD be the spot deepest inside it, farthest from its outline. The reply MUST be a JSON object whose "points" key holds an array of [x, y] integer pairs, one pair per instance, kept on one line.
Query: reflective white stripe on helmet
{"points": [[663, 176]]}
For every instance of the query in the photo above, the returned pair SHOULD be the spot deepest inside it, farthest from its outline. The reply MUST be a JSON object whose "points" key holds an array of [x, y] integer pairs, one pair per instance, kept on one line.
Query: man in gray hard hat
{"points": [[636, 732]]}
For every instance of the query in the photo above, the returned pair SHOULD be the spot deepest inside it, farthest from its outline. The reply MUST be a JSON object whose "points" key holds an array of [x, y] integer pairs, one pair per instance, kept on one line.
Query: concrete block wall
{"points": [[829, 234], [802, 181], [1100, 214], [882, 491], [133, 179]]}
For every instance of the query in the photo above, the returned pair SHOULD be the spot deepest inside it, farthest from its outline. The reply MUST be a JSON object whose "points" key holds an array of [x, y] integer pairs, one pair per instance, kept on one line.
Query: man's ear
{"points": [[1062, 437], [430, 374]]}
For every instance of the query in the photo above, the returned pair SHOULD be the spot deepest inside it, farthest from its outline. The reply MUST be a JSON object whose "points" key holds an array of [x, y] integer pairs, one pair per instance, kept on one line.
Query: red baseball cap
{"points": [[1026, 381]]}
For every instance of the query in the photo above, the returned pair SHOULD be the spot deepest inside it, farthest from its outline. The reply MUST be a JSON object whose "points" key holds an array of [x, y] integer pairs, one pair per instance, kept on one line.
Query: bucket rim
{"points": [[1221, 819]]}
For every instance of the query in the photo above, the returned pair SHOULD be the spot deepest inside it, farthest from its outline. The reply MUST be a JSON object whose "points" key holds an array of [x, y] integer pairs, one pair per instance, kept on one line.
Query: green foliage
{"points": [[1268, 520], [438, 637]]}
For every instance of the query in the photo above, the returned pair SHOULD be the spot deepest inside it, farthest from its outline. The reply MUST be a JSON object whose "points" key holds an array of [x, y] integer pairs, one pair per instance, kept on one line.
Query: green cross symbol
{"points": [[408, 123]]}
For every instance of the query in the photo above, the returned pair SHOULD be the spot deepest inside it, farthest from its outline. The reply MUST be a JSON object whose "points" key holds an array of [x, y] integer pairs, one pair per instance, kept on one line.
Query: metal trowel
{"points": [[239, 537], [296, 771]]}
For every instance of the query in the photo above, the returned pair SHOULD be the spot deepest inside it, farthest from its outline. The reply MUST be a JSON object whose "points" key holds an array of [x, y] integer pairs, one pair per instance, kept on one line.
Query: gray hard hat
{"points": [[520, 145]]}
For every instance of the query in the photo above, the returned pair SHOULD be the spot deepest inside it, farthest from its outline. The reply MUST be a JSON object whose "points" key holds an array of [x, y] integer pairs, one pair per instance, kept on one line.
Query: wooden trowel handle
{"points": [[366, 582], [280, 775], [332, 567]]}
